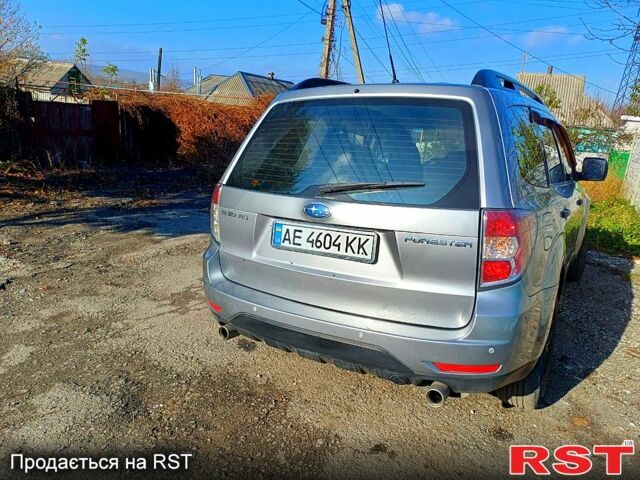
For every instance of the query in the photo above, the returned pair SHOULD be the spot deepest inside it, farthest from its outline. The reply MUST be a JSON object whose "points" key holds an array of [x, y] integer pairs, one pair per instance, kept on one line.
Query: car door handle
{"points": [[565, 213], [580, 201]]}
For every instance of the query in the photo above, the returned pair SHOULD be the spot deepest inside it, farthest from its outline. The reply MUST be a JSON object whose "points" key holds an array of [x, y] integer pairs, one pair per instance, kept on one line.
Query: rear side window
{"points": [[302, 145], [554, 165], [527, 146], [564, 150]]}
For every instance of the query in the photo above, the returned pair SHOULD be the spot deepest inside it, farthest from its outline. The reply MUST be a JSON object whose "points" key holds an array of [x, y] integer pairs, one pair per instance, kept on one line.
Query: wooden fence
{"points": [[67, 134]]}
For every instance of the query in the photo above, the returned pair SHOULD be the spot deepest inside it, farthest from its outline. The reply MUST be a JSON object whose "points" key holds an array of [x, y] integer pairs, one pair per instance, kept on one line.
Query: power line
{"points": [[370, 76], [254, 17], [511, 22], [229, 27], [284, 45], [445, 30], [215, 20], [366, 44], [499, 26], [497, 63], [346, 59], [540, 4], [411, 60], [394, 78], [421, 44], [177, 22], [462, 39], [204, 29], [185, 59], [260, 45], [295, 22], [310, 7], [337, 70], [510, 43], [185, 50], [373, 29], [461, 67], [192, 22]]}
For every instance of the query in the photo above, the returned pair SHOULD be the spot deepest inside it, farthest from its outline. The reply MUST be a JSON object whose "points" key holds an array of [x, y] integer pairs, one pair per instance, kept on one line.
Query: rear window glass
{"points": [[303, 145]]}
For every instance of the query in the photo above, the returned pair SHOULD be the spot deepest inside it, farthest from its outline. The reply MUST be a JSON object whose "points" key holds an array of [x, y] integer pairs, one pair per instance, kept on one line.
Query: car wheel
{"points": [[576, 269], [528, 393]]}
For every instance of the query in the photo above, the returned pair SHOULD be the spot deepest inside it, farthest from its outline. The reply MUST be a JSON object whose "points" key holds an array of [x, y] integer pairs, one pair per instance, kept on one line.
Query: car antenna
{"points": [[394, 78]]}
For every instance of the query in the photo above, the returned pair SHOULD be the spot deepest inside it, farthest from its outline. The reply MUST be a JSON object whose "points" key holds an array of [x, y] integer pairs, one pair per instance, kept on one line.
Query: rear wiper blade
{"points": [[359, 186]]}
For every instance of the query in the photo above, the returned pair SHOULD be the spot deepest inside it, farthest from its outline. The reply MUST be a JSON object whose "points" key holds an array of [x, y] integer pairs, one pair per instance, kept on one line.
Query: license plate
{"points": [[330, 242]]}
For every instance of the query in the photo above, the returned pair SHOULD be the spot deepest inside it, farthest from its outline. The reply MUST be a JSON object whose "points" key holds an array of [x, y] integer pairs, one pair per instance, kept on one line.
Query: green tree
{"points": [[82, 51], [111, 71], [549, 96]]}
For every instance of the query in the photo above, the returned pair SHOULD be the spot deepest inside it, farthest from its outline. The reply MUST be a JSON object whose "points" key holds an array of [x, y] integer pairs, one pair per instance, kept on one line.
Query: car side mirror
{"points": [[594, 169]]}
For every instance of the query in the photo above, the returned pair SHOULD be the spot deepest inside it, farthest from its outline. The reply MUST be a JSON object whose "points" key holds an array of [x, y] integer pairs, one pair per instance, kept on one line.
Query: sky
{"points": [[431, 40]]}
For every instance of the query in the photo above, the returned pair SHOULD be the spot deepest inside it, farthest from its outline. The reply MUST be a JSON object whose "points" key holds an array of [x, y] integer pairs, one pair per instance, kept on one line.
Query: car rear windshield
{"points": [[303, 145]]}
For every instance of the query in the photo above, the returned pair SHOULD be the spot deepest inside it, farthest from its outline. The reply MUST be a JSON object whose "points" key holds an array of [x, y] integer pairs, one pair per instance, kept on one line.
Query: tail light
{"points": [[215, 212], [508, 237]]}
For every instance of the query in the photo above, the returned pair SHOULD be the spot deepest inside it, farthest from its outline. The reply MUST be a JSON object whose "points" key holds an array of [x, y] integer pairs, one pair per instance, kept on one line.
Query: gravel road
{"points": [[107, 348]]}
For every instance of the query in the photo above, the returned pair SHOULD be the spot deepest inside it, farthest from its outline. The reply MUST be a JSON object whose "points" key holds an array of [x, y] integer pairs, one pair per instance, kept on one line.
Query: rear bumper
{"points": [[508, 328]]}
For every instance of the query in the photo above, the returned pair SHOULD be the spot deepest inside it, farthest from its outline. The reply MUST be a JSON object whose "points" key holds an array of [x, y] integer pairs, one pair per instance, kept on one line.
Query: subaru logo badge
{"points": [[316, 210]]}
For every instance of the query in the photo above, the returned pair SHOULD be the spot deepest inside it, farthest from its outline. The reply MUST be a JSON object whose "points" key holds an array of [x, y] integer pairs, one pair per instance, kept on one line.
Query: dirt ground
{"points": [[108, 348]]}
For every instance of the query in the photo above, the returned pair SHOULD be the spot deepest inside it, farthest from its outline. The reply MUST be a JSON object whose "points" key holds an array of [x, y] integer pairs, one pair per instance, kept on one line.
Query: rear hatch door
{"points": [[403, 250]]}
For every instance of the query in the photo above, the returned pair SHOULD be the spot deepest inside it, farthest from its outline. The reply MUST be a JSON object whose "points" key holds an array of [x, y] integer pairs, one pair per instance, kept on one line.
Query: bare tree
{"points": [[19, 50], [172, 81], [624, 26]]}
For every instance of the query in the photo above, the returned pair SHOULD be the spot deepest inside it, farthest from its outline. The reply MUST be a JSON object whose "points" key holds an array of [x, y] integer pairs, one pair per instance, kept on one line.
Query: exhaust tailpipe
{"points": [[227, 332], [437, 394]]}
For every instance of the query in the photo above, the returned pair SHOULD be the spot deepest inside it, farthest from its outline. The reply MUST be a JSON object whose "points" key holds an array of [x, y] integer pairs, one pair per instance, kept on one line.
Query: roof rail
{"points": [[316, 82], [493, 79]]}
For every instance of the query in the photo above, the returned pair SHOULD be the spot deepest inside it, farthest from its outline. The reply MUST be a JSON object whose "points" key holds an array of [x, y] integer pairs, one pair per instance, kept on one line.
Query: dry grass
{"points": [[609, 189]]}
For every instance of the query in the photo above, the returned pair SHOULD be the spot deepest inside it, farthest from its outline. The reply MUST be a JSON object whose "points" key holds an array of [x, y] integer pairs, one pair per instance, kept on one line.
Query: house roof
{"points": [[209, 84], [259, 85], [570, 90], [47, 74], [243, 85]]}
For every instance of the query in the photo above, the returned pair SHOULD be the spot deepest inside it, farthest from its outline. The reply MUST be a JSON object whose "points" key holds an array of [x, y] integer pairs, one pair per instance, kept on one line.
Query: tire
{"points": [[576, 269], [528, 393]]}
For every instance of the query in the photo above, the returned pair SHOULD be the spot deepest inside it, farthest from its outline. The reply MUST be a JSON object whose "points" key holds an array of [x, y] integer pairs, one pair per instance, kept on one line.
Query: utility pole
{"points": [[159, 69], [327, 40], [346, 7], [525, 56]]}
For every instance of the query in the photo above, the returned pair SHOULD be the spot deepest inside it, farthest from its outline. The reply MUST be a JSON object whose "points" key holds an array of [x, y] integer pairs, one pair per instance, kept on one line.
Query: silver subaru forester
{"points": [[421, 233]]}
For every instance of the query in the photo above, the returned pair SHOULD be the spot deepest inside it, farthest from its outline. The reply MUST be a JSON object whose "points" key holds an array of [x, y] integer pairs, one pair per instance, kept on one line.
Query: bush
{"points": [[614, 227], [614, 224], [184, 129], [10, 122]]}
